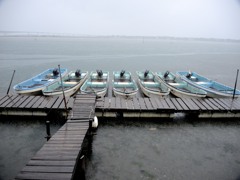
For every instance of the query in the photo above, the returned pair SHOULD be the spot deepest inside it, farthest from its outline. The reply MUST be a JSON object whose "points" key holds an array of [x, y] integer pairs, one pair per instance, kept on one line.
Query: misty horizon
{"points": [[186, 19]]}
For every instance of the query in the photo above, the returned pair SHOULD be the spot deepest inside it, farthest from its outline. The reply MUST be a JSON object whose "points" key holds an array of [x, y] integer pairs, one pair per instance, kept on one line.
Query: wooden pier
{"points": [[58, 158], [20, 105], [168, 107]]}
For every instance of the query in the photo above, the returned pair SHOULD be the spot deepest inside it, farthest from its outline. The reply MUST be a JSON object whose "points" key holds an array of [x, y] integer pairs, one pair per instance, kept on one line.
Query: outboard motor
{"points": [[122, 73], [55, 72], [78, 73], [146, 73], [100, 73], [189, 74], [166, 74]]}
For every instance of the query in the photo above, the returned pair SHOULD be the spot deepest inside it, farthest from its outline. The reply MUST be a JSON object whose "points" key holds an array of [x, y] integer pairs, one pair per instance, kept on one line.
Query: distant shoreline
{"points": [[56, 35]]}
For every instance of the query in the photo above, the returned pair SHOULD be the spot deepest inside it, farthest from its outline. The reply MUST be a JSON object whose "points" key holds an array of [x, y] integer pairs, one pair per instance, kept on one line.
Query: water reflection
{"points": [[165, 150], [20, 140]]}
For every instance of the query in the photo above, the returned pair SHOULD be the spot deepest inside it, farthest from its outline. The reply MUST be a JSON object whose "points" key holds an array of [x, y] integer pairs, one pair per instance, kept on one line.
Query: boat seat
{"points": [[149, 83], [70, 83], [203, 83], [175, 84]]}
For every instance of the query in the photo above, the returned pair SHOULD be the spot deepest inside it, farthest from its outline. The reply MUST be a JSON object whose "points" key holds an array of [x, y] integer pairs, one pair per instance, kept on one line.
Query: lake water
{"points": [[128, 150]]}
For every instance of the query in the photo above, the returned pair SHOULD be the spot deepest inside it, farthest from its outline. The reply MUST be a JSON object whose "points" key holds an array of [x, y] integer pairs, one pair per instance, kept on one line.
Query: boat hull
{"points": [[95, 84], [67, 92], [123, 85], [149, 93], [36, 84], [124, 95], [181, 89], [205, 85]]}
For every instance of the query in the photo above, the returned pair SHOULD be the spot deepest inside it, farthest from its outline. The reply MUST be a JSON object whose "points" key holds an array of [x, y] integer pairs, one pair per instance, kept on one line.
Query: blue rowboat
{"points": [[36, 84], [124, 85], [179, 87], [150, 85], [70, 84], [213, 88], [97, 83]]}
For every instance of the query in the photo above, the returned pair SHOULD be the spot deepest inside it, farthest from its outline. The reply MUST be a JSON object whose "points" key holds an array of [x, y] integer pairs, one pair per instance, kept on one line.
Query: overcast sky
{"points": [[179, 18]]}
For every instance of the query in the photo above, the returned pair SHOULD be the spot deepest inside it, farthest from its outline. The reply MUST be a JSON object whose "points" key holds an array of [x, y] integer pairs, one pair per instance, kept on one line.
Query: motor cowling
{"points": [[146, 73], [78, 73], [122, 73], [100, 73], [55, 72]]}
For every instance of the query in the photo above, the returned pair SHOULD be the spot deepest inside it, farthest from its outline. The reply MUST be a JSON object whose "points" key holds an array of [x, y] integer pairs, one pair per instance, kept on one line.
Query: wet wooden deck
{"points": [[58, 158], [32, 105], [167, 107]]}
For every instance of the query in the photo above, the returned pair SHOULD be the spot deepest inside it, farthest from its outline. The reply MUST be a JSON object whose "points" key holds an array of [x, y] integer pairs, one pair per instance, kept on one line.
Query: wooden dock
{"points": [[20, 105], [168, 107], [58, 158]]}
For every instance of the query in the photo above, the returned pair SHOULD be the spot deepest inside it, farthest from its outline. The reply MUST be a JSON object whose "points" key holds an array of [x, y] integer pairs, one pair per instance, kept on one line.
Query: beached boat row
{"points": [[56, 82]]}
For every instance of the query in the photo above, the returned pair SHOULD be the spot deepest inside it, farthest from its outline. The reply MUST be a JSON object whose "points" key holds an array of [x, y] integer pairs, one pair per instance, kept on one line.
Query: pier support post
{"points": [[48, 130]]}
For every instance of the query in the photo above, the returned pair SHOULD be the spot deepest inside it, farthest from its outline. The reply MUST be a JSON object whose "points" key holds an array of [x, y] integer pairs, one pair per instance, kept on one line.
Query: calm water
{"points": [[138, 150]]}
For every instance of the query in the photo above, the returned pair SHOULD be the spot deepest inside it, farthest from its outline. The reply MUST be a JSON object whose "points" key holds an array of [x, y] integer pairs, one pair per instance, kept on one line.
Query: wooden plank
{"points": [[2, 96], [44, 102], [57, 103], [153, 103], [216, 104], [191, 105], [228, 102], [51, 102], [123, 103], [176, 104], [32, 102], [142, 104], [50, 163], [70, 102], [106, 103], [62, 105], [46, 153], [170, 104], [29, 98], [44, 176], [113, 103], [220, 103], [136, 103], [48, 169], [205, 104], [210, 104], [202, 107], [164, 103], [14, 101], [10, 101], [100, 103], [118, 103], [4, 99], [181, 102], [38, 102], [159, 104], [20, 101], [129, 103], [148, 104]]}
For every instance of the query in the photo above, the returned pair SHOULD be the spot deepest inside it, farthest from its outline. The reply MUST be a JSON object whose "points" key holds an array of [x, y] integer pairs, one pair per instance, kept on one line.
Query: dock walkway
{"points": [[167, 107], [32, 105], [58, 158]]}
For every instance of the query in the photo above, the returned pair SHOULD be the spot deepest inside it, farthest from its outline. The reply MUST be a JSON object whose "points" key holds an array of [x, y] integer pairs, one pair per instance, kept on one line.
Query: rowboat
{"points": [[123, 84], [179, 87], [150, 85], [36, 84], [70, 84], [213, 88], [97, 83]]}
